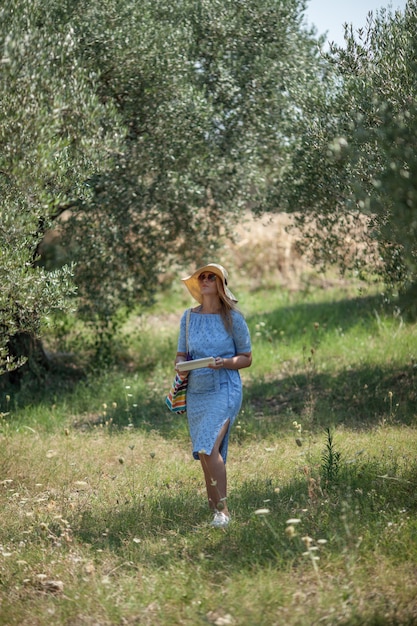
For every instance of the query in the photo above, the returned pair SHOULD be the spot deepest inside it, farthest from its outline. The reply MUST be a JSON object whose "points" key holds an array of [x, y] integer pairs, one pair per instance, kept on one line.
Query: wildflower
{"points": [[262, 512], [290, 530]]}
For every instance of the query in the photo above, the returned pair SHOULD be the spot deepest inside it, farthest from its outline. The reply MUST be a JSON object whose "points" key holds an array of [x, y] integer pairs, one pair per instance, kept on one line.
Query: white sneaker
{"points": [[220, 520]]}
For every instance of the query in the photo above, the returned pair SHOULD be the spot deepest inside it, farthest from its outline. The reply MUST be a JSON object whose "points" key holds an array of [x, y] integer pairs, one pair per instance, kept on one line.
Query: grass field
{"points": [[103, 519]]}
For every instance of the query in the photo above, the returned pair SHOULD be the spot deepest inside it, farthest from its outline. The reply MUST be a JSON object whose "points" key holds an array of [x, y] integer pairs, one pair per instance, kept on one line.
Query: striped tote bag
{"points": [[176, 400]]}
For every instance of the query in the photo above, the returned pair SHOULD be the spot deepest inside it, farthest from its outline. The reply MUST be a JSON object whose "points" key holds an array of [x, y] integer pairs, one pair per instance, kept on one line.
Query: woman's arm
{"points": [[180, 357], [182, 339], [237, 362]]}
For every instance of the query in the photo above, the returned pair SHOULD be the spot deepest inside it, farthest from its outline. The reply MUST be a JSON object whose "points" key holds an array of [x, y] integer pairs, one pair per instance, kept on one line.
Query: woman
{"points": [[214, 393]]}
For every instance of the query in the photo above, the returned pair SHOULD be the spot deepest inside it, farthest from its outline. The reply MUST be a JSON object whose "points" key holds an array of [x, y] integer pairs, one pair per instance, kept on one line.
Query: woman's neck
{"points": [[211, 305]]}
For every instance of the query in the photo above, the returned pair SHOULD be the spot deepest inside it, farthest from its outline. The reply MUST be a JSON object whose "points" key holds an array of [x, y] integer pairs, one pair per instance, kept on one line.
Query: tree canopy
{"points": [[355, 153], [53, 134], [141, 130], [146, 124], [196, 87]]}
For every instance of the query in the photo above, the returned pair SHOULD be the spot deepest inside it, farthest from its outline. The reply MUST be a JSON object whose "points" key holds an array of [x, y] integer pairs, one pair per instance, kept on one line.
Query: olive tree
{"points": [[203, 91], [150, 125], [54, 134], [353, 168]]}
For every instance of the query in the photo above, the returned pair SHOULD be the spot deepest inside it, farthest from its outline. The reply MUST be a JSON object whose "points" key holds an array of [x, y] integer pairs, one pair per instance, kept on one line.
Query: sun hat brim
{"points": [[192, 284]]}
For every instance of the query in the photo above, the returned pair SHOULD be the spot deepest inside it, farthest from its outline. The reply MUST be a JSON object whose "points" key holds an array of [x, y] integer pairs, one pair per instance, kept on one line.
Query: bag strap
{"points": [[187, 323]]}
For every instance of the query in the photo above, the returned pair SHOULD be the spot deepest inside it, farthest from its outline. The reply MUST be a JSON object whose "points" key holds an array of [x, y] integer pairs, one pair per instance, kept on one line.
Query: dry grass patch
{"points": [[112, 527]]}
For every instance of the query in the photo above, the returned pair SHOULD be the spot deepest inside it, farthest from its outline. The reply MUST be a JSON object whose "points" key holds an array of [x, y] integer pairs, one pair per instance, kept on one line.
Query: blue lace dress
{"points": [[213, 396]]}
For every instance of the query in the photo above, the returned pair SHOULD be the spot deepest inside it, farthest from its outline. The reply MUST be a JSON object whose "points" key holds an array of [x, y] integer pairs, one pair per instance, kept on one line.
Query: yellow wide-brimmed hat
{"points": [[193, 287]]}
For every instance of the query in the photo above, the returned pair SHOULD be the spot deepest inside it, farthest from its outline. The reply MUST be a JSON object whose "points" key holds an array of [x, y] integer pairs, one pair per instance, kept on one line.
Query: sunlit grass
{"points": [[103, 516]]}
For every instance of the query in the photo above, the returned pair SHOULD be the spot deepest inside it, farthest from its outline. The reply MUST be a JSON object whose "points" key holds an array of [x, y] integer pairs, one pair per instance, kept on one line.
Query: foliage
{"points": [[354, 165], [330, 464], [145, 129], [53, 135], [139, 130], [196, 87]]}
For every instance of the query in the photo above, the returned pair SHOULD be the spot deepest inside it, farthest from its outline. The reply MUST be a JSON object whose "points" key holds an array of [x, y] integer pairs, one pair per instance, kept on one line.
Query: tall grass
{"points": [[103, 517]]}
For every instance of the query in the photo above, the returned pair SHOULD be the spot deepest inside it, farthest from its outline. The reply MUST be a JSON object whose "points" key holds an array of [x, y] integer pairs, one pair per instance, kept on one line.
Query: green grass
{"points": [[102, 510]]}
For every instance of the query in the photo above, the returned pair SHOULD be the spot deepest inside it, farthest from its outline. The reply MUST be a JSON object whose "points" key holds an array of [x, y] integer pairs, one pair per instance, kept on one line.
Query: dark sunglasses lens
{"points": [[209, 277]]}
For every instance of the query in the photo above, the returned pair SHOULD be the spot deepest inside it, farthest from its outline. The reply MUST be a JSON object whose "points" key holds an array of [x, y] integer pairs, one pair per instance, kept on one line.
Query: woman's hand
{"points": [[219, 363], [180, 358]]}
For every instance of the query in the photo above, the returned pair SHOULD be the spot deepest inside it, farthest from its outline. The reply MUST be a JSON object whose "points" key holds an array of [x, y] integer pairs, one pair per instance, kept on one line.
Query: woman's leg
{"points": [[215, 474]]}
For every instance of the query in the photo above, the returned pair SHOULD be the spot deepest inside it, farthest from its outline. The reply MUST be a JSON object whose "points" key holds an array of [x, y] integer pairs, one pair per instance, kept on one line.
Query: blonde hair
{"points": [[227, 306]]}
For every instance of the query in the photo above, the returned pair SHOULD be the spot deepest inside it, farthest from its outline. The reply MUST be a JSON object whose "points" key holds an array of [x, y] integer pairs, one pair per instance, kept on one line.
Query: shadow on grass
{"points": [[168, 526], [359, 397], [298, 321]]}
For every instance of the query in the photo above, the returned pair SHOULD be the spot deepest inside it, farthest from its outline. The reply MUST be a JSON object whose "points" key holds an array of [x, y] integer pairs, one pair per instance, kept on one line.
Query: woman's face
{"points": [[208, 283]]}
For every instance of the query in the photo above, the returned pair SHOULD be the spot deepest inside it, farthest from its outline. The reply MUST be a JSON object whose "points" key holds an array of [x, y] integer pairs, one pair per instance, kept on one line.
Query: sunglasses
{"points": [[210, 277]]}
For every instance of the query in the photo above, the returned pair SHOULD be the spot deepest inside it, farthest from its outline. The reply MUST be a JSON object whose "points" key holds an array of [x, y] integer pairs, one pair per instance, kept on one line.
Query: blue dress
{"points": [[213, 396]]}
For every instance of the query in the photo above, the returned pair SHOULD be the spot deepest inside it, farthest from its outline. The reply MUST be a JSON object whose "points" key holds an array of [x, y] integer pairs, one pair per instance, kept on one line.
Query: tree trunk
{"points": [[37, 364]]}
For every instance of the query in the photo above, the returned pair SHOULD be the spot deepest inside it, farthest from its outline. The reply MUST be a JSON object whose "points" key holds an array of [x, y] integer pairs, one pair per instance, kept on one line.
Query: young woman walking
{"points": [[214, 394]]}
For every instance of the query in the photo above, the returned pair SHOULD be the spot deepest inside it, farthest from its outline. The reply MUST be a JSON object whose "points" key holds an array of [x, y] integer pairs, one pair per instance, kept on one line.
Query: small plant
{"points": [[298, 429], [311, 547], [330, 460], [265, 331], [392, 411]]}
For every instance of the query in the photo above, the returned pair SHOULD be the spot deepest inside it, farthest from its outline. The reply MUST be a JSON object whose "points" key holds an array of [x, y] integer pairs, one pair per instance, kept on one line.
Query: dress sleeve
{"points": [[241, 334], [181, 338]]}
